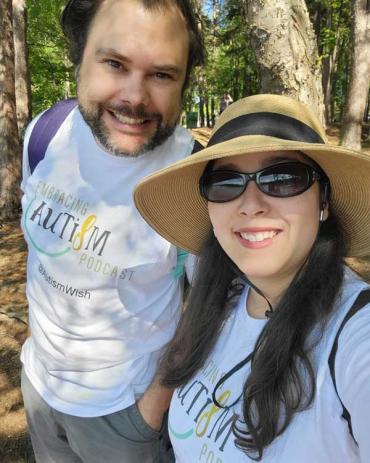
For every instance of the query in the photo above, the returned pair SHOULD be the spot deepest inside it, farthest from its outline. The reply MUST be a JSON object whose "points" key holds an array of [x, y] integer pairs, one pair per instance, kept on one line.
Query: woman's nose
{"points": [[252, 202]]}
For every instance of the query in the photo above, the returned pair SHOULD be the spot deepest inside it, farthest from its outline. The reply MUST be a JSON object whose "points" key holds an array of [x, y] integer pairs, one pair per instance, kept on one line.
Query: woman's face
{"points": [[268, 238]]}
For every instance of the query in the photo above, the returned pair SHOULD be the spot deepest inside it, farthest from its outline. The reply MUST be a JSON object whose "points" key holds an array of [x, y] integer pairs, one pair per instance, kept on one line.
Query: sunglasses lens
{"points": [[222, 186], [285, 180]]}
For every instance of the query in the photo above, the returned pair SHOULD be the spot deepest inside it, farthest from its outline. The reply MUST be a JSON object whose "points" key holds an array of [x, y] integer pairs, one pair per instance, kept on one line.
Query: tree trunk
{"points": [[360, 76], [10, 165], [201, 110], [67, 82], [213, 111], [285, 46], [22, 76], [208, 116], [212, 59], [317, 25], [328, 69]]}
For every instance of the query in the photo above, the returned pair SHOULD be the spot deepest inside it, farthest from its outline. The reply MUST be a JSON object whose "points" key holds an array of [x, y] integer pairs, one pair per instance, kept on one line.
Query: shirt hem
{"points": [[82, 412]]}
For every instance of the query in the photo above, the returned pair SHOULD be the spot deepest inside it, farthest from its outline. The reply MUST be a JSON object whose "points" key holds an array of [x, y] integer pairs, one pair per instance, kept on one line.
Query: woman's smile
{"points": [[256, 238]]}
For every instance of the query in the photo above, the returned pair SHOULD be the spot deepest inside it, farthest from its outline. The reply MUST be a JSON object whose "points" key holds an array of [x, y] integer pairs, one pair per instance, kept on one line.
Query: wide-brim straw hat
{"points": [[170, 201]]}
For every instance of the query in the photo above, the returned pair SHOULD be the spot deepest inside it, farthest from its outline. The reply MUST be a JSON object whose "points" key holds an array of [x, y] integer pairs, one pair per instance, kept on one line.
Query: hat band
{"points": [[269, 124]]}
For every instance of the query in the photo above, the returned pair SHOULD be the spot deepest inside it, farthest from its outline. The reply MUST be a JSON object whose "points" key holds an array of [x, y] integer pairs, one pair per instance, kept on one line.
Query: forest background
{"points": [[231, 64], [231, 43], [316, 51]]}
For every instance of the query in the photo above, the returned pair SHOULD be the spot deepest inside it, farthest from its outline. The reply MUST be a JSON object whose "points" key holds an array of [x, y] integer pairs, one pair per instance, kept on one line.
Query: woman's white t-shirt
{"points": [[201, 432]]}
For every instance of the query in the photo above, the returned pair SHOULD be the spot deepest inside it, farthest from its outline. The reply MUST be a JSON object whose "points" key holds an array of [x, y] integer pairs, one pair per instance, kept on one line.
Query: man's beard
{"points": [[93, 119]]}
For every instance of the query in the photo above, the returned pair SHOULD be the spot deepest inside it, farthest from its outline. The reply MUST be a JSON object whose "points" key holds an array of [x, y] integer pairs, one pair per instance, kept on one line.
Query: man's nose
{"points": [[134, 90]]}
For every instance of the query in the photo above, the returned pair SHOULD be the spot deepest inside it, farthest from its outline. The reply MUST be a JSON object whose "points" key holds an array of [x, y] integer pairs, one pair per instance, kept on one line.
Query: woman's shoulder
{"points": [[353, 286], [354, 328], [351, 312]]}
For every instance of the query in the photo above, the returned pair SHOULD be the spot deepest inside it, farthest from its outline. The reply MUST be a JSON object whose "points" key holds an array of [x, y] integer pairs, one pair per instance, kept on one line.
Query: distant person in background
{"points": [[225, 101]]}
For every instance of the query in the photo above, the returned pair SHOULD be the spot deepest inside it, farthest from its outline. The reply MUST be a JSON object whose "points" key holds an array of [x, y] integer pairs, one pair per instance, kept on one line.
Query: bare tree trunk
{"points": [[330, 63], [22, 76], [285, 46], [67, 82], [360, 76], [199, 73], [212, 60], [328, 69], [208, 116], [10, 164], [201, 109], [213, 111]]}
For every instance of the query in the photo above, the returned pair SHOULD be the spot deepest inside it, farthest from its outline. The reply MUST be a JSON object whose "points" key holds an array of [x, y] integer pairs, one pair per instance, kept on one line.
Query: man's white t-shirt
{"points": [[201, 432], [103, 298]]}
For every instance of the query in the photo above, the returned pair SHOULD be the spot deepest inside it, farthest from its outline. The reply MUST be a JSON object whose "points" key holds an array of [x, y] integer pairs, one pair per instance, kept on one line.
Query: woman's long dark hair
{"points": [[282, 378]]}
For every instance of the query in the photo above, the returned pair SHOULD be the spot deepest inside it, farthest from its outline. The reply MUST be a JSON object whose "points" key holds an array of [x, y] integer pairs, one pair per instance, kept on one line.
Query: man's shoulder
{"points": [[182, 141], [183, 132]]}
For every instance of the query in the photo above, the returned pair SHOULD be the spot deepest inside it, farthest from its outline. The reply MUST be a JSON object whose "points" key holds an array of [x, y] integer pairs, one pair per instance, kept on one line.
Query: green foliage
{"points": [[231, 65], [332, 19], [236, 68], [51, 72]]}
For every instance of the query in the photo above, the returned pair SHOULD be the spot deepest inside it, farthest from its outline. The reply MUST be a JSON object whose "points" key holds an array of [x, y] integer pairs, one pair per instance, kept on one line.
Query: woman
{"points": [[263, 360]]}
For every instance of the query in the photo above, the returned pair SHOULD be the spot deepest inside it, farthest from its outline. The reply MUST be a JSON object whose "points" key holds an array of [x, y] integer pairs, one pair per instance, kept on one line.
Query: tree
{"points": [[22, 77], [284, 43], [331, 20], [10, 165], [237, 67], [360, 75]]}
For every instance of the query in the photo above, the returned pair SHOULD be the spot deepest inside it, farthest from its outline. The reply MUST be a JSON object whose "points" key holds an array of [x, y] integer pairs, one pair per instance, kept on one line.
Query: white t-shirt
{"points": [[103, 299], [201, 432]]}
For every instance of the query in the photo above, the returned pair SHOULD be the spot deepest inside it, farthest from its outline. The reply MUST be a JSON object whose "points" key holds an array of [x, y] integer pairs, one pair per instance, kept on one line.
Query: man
{"points": [[103, 298], [225, 101]]}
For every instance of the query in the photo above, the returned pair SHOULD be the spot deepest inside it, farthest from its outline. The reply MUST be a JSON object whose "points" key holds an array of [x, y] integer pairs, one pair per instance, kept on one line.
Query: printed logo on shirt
{"points": [[66, 218], [211, 424], [74, 231]]}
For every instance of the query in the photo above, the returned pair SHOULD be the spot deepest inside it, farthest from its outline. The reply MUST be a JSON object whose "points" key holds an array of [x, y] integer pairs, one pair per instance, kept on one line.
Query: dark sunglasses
{"points": [[280, 180]]}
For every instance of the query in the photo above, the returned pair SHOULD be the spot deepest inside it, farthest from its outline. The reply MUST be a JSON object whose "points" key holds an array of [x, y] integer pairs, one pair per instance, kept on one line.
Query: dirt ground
{"points": [[14, 442]]}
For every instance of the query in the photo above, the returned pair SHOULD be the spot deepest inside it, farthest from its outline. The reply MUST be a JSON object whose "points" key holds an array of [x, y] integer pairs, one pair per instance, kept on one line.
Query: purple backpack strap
{"points": [[45, 129]]}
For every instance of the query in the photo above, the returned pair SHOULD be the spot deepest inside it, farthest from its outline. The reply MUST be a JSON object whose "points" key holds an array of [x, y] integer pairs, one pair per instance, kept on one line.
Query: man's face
{"points": [[130, 80]]}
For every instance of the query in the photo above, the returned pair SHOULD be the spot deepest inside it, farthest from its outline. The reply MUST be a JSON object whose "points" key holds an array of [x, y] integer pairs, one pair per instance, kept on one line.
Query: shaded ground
{"points": [[14, 442]]}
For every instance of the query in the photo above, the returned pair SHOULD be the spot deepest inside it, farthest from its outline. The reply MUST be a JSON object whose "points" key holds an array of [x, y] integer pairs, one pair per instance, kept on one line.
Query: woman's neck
{"points": [[257, 305]]}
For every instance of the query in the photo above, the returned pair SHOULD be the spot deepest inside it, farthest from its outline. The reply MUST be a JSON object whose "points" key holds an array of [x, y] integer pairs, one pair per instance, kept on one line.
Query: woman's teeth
{"points": [[259, 236]]}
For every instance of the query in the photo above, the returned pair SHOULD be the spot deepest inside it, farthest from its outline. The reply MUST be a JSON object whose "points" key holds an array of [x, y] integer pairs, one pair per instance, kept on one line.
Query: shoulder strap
{"points": [[45, 129], [362, 299]]}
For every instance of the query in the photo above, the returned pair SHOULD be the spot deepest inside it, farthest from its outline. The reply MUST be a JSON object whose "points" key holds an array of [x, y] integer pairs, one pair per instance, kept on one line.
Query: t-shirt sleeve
{"points": [[190, 265], [353, 377]]}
